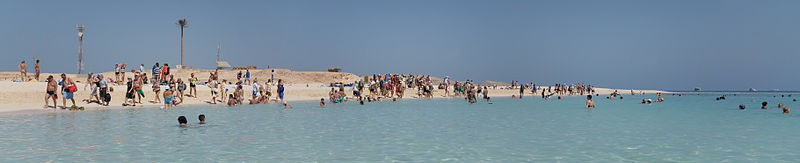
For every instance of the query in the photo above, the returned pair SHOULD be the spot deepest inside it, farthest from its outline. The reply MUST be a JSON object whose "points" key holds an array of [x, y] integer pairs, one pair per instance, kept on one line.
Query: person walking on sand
{"points": [[67, 89], [52, 85], [247, 77], [138, 82], [23, 71], [36, 67]]}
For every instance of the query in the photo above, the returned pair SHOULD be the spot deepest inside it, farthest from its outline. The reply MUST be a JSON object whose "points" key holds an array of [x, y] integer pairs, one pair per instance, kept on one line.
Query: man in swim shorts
{"points": [[52, 85], [66, 83]]}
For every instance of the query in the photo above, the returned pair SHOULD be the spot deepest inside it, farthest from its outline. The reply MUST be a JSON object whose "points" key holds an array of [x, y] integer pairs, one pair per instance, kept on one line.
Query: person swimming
{"points": [[589, 102], [202, 118], [780, 105], [286, 105], [741, 107], [764, 105], [322, 103], [786, 110], [182, 121]]}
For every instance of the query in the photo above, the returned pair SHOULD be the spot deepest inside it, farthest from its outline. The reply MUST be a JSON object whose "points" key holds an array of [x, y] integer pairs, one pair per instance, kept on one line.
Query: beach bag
{"points": [[72, 89]]}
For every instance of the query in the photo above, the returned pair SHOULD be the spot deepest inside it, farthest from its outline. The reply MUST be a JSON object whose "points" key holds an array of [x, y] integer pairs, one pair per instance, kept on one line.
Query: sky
{"points": [[642, 44]]}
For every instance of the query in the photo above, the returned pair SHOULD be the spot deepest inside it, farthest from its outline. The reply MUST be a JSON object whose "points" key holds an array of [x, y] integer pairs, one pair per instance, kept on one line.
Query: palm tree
{"points": [[182, 22]]}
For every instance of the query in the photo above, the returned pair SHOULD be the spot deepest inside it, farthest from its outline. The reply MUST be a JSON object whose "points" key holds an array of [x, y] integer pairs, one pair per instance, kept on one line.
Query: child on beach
{"points": [[52, 85], [167, 98]]}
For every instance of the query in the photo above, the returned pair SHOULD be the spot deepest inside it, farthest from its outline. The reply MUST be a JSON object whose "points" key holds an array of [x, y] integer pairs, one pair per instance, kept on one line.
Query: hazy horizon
{"points": [[669, 45]]}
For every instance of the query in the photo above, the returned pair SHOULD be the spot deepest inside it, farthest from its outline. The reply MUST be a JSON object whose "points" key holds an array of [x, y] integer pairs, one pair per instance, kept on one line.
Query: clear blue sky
{"points": [[669, 44]]}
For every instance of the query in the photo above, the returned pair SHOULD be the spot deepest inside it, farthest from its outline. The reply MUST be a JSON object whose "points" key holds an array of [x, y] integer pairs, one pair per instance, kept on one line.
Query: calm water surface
{"points": [[689, 128]]}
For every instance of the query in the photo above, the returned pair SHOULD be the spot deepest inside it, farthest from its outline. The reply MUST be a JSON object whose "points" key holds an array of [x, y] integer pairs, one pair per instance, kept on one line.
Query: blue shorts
{"points": [[167, 101], [280, 95], [68, 95]]}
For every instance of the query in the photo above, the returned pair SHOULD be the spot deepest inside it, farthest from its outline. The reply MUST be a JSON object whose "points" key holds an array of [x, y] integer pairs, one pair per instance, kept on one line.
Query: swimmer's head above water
{"points": [[182, 121], [202, 118]]}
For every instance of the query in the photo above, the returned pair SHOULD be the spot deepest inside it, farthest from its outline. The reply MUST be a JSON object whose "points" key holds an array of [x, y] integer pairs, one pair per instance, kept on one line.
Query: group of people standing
{"points": [[23, 71]]}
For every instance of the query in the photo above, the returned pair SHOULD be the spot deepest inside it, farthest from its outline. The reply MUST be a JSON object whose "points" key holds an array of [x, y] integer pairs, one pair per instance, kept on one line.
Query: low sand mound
{"points": [[495, 83]]}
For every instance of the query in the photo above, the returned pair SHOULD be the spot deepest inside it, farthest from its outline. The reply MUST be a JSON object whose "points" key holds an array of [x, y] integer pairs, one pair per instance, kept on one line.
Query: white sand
{"points": [[26, 97]]}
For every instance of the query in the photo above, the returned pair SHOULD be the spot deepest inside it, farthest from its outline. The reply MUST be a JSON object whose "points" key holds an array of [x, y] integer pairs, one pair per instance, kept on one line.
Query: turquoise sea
{"points": [[687, 128]]}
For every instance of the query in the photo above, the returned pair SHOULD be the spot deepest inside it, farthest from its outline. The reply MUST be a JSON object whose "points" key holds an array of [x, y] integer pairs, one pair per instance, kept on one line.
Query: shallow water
{"points": [[689, 128]]}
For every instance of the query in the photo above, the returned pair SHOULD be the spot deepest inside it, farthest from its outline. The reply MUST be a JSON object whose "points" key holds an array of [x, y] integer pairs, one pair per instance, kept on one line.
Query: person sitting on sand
{"points": [[231, 100], [182, 122], [322, 103], [23, 71], [66, 83], [786, 110], [52, 85], [589, 102], [764, 105], [202, 118]]}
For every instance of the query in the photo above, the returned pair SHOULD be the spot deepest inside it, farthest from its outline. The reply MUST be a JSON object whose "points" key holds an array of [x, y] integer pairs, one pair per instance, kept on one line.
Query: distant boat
{"points": [[753, 90], [697, 89]]}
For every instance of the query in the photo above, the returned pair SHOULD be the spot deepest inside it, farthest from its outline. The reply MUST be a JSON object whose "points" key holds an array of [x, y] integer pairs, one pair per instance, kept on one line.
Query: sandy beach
{"points": [[26, 97]]}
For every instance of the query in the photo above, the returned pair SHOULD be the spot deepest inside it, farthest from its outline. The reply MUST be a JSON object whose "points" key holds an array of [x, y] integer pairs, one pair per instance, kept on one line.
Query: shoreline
{"points": [[28, 97]]}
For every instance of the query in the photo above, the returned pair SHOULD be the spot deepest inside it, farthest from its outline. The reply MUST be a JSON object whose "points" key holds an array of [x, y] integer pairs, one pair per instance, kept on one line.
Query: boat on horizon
{"points": [[752, 90]]}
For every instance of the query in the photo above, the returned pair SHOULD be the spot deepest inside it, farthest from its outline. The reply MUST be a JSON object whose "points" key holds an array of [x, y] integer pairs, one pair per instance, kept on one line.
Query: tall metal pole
{"points": [[181, 46], [80, 29]]}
